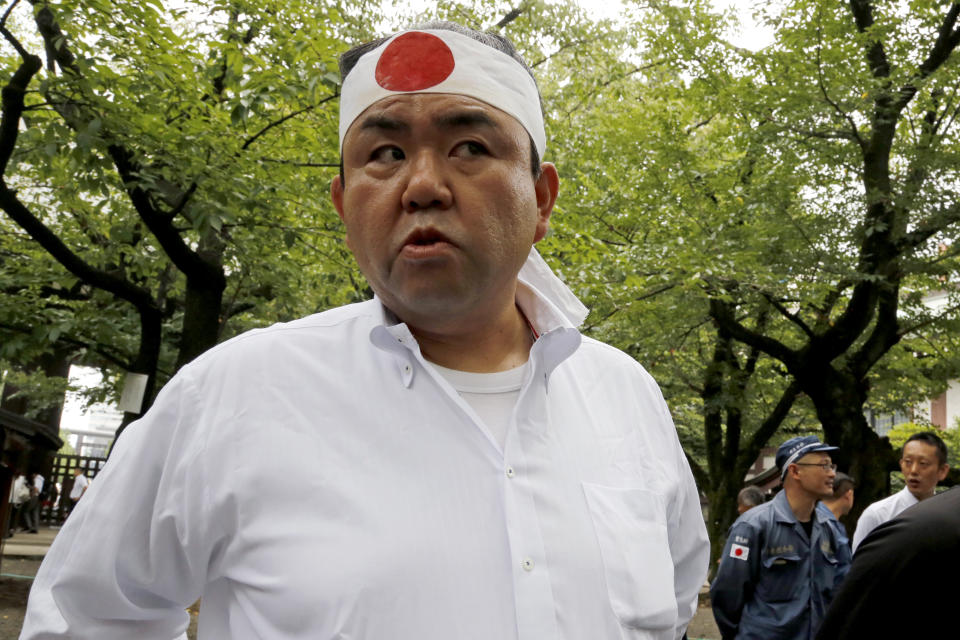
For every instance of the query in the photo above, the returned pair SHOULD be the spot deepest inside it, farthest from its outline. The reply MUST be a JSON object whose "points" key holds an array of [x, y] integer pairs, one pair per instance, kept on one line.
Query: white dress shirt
{"points": [[318, 480], [881, 511], [80, 483]]}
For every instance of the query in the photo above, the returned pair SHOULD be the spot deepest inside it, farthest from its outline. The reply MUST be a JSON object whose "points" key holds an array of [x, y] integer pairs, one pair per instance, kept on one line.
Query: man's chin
{"points": [[428, 305]]}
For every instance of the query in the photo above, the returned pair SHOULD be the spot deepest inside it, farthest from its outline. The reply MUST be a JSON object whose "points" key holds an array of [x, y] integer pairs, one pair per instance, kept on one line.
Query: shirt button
{"points": [[527, 564], [407, 368], [510, 472]]}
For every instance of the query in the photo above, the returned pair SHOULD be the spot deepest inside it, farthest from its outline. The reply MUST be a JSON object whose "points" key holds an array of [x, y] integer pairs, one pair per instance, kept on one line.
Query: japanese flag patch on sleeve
{"points": [[739, 551]]}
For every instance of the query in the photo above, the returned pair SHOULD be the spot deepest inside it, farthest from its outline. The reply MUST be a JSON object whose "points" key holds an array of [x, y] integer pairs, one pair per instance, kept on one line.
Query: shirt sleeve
{"points": [[736, 577], [135, 552], [844, 556], [689, 547], [868, 522]]}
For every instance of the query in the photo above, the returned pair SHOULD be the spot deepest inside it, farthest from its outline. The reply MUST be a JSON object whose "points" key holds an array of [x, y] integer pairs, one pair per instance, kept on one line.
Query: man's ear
{"points": [[547, 186], [944, 470], [336, 195]]}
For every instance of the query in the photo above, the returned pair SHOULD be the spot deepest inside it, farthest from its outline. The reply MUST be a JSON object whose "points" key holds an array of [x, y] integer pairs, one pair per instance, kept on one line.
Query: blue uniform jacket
{"points": [[844, 552], [775, 583]]}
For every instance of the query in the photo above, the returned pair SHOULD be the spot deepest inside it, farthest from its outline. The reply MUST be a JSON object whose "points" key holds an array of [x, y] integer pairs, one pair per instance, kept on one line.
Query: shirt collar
{"points": [[781, 506], [558, 339]]}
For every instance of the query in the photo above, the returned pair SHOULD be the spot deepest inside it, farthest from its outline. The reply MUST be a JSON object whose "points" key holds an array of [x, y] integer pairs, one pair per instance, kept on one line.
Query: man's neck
{"points": [[801, 503], [835, 508], [498, 344]]}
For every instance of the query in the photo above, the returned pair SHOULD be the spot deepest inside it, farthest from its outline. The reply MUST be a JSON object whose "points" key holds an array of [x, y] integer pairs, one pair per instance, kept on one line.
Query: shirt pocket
{"points": [[631, 530], [827, 571], [780, 578]]}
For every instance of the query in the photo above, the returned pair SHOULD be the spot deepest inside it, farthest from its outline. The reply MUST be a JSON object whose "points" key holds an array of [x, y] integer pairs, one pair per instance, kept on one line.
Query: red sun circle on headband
{"points": [[414, 61]]}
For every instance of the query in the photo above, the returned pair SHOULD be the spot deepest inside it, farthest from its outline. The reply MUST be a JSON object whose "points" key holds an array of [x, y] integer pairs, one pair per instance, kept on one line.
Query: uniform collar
{"points": [[781, 507]]}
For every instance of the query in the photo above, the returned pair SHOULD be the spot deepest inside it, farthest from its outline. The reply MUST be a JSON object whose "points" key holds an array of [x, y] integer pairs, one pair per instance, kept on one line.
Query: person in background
{"points": [[80, 484], [903, 583], [748, 498], [780, 565], [19, 496], [923, 462], [31, 511]]}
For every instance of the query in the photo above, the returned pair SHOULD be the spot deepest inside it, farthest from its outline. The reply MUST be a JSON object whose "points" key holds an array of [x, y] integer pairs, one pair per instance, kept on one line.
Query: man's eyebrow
{"points": [[462, 119], [384, 123]]}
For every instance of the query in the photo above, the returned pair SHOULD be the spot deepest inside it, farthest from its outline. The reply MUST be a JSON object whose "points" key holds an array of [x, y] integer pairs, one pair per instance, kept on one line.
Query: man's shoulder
{"points": [[601, 354], [879, 507], [328, 326]]}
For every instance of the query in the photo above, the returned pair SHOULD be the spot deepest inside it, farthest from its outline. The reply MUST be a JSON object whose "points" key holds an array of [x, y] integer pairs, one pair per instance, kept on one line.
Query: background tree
{"points": [[175, 160], [853, 106]]}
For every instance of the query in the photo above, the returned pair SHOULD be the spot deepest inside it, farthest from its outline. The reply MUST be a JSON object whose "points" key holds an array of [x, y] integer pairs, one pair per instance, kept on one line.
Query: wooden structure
{"points": [[55, 511]]}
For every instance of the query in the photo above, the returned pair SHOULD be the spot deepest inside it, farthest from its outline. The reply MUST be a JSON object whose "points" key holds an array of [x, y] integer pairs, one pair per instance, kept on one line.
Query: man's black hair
{"points": [[348, 60], [933, 440], [841, 484]]}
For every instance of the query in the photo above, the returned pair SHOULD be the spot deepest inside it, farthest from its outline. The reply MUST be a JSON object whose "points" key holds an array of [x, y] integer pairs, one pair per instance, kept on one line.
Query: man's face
{"points": [[921, 468], [816, 475], [440, 205]]}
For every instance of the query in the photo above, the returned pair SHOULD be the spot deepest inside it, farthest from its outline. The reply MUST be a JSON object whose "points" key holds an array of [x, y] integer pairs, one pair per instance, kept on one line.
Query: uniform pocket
{"points": [[780, 579], [631, 530]]}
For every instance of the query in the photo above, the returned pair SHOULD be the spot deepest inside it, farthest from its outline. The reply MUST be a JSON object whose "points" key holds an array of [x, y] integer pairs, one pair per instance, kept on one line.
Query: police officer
{"points": [[780, 564]]}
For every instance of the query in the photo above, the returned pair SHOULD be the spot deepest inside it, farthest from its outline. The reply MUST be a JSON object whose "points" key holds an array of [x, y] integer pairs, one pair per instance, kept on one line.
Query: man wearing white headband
{"points": [[451, 460]]}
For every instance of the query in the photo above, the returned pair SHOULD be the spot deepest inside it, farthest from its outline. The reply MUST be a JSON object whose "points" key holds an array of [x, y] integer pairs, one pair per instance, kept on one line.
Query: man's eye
{"points": [[387, 154], [470, 148]]}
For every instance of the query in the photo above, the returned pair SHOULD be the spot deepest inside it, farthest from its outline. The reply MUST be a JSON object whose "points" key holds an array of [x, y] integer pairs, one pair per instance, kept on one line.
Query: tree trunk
{"points": [[722, 505], [838, 399]]}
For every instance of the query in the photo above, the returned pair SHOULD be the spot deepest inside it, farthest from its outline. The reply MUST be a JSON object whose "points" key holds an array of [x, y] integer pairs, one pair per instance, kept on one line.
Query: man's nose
{"points": [[427, 186]]}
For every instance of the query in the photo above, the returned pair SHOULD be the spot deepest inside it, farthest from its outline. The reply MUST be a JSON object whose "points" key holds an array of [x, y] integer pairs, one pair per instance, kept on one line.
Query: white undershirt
{"points": [[491, 395]]}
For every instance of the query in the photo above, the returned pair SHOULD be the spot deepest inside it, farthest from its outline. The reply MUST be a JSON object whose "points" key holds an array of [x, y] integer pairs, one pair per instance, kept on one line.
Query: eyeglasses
{"points": [[826, 466], [921, 464]]}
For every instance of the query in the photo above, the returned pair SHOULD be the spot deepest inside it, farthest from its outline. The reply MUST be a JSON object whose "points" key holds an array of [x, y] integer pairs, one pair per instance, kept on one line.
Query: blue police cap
{"points": [[795, 448]]}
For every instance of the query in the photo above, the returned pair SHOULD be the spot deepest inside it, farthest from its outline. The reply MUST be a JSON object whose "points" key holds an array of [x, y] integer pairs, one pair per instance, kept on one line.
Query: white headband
{"points": [[442, 61]]}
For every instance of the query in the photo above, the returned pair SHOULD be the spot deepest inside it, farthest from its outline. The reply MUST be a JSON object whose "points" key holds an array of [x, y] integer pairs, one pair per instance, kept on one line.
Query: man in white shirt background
{"points": [[80, 484], [924, 464], [450, 460]]}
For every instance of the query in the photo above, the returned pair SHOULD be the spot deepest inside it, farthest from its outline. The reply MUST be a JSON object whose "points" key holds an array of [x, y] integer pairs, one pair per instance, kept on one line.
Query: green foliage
{"points": [[67, 448]]}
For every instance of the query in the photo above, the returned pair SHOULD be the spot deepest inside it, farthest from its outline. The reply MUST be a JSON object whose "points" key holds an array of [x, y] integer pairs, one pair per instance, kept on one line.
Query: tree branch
{"points": [[876, 56], [823, 88], [722, 314], [512, 15], [792, 317], [271, 125], [769, 426]]}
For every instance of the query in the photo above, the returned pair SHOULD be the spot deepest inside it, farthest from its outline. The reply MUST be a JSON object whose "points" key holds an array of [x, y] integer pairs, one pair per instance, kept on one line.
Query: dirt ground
{"points": [[703, 626], [15, 574], [13, 593]]}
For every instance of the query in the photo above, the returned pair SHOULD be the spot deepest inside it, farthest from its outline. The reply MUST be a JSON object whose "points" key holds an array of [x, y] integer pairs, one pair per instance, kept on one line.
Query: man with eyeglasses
{"points": [[924, 464], [780, 565]]}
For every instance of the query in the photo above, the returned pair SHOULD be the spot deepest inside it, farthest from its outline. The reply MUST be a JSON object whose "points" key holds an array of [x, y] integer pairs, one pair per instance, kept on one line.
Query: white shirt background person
{"points": [[379, 503], [80, 484], [923, 462]]}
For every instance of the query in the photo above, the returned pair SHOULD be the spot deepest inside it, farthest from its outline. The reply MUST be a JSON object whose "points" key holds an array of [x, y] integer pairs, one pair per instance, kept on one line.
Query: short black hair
{"points": [[348, 60], [933, 440], [750, 496], [841, 484]]}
